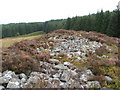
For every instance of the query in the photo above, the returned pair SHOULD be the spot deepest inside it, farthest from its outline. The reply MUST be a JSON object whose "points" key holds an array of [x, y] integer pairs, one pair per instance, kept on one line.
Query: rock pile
{"points": [[55, 75], [73, 46]]}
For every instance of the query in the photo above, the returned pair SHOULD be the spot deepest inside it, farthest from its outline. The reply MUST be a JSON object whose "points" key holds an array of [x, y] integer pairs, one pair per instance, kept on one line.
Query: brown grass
{"points": [[6, 42]]}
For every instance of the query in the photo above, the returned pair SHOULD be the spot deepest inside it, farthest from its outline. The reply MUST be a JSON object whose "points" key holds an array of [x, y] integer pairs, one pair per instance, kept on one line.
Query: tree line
{"points": [[104, 22]]}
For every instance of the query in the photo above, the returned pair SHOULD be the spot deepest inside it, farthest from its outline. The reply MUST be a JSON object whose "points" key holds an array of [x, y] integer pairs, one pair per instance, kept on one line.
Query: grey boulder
{"points": [[60, 66]]}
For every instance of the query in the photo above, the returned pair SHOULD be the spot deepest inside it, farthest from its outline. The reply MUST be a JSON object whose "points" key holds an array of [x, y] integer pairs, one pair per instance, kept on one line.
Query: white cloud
{"points": [[42, 10]]}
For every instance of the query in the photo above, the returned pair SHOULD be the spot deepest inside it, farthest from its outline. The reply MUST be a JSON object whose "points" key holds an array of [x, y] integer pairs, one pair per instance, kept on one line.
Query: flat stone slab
{"points": [[60, 66]]}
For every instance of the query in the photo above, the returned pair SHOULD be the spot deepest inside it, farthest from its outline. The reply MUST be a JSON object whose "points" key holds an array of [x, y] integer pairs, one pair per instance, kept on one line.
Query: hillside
{"points": [[62, 59]]}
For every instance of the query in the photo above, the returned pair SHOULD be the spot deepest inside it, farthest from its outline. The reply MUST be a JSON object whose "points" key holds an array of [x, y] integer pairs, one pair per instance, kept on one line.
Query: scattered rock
{"points": [[23, 80], [54, 61], [57, 50], [67, 64], [44, 76], [104, 56], [13, 84], [92, 84], [88, 72], [72, 73], [79, 58], [57, 75], [55, 81], [8, 74], [33, 79], [64, 85], [27, 85], [107, 78], [4, 79], [22, 75], [15, 80], [85, 75], [35, 74], [60, 66], [76, 84], [65, 76], [71, 81], [1, 87]]}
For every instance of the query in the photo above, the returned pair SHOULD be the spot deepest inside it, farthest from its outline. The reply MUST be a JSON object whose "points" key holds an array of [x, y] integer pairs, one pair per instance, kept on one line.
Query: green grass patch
{"points": [[6, 42], [32, 34]]}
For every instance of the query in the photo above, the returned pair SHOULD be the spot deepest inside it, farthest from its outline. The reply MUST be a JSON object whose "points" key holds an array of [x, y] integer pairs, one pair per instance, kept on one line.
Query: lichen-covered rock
{"points": [[35, 74], [8, 74], [72, 73], [54, 61], [22, 75], [5, 79], [65, 76], [1, 80], [67, 64], [64, 85], [60, 66], [55, 82], [23, 80], [14, 84], [44, 76], [88, 72], [57, 75], [27, 85], [85, 75], [107, 78], [92, 84], [33, 79], [31, 82]]}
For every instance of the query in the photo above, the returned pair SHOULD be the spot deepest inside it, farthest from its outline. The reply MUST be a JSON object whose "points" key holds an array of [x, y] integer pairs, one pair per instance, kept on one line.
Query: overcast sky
{"points": [[14, 11]]}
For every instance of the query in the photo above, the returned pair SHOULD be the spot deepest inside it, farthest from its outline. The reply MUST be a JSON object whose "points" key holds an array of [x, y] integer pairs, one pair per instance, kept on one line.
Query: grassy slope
{"points": [[32, 34], [6, 42]]}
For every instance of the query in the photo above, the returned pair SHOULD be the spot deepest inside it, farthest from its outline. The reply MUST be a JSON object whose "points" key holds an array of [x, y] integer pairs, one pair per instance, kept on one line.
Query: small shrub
{"points": [[63, 31], [114, 73], [116, 61], [98, 65], [90, 53], [63, 55], [32, 51], [20, 63], [101, 50], [64, 60], [5, 52], [94, 36], [51, 44], [42, 84], [42, 57], [99, 78], [79, 64]]}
